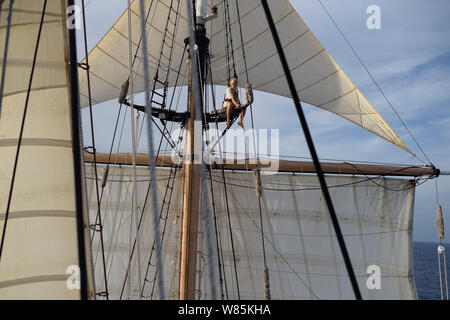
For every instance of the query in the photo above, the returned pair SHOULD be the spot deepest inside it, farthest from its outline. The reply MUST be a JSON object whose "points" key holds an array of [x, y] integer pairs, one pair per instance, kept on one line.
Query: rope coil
{"points": [[249, 93], [267, 295], [124, 91], [439, 221], [257, 182]]}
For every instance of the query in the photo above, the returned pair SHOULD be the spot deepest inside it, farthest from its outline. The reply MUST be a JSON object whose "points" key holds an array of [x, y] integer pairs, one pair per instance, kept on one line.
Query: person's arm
{"points": [[236, 103]]}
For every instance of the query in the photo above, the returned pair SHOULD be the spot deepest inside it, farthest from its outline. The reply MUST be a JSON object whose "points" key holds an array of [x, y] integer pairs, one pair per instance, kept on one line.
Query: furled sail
{"points": [[302, 253], [40, 257], [318, 79]]}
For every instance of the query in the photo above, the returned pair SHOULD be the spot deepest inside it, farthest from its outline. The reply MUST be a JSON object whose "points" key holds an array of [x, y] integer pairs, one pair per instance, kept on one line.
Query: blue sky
{"points": [[410, 59]]}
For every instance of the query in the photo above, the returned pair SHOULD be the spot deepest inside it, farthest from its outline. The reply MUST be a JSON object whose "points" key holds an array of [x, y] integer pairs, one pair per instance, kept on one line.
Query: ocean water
{"points": [[426, 270]]}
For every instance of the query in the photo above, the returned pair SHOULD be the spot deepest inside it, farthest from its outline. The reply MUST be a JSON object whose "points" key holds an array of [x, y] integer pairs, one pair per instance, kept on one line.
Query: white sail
{"points": [[119, 234], [303, 256], [40, 254], [318, 79]]}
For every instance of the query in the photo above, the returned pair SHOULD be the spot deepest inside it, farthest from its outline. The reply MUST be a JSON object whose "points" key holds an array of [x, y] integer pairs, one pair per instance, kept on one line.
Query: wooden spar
{"points": [[283, 166], [191, 197]]}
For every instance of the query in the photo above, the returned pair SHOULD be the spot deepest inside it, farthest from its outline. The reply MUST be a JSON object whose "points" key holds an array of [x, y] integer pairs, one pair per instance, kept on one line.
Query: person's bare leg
{"points": [[229, 110], [241, 119]]}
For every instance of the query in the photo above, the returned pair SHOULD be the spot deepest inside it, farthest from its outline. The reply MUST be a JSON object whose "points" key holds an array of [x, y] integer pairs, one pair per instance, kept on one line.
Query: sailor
{"points": [[231, 100]]}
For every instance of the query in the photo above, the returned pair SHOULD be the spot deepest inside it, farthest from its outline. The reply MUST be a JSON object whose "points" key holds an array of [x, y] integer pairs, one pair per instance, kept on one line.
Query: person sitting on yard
{"points": [[231, 100]]}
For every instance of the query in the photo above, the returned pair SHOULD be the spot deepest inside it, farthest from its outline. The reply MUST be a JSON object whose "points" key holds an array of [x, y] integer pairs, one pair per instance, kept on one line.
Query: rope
{"points": [[148, 192], [133, 143], [121, 97], [218, 237], [258, 190], [106, 172], [5, 53], [225, 194], [441, 251], [219, 248], [19, 143], [441, 248], [151, 158], [258, 187], [229, 41], [378, 86], [105, 293], [297, 274], [312, 149]]}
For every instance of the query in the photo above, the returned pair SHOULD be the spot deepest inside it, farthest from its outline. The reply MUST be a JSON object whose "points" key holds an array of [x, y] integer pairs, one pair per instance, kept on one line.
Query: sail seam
{"points": [[135, 72], [35, 12], [42, 64], [319, 81], [36, 142], [151, 26], [296, 67], [334, 99], [31, 23], [35, 89], [35, 214], [35, 279]]}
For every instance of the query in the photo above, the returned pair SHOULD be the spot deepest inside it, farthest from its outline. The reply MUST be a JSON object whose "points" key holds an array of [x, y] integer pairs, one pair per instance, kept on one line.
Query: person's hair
{"points": [[232, 81]]}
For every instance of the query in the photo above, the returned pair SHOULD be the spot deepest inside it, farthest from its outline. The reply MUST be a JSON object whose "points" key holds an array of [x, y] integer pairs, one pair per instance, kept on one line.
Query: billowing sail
{"points": [[302, 253], [318, 79], [40, 257]]}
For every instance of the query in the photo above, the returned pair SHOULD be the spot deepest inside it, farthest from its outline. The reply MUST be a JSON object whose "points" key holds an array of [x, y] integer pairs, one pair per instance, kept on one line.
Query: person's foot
{"points": [[240, 124]]}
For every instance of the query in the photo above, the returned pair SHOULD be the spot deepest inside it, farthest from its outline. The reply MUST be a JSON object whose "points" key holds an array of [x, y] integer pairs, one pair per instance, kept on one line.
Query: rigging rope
{"points": [[167, 186], [19, 143], [222, 282], [249, 94], [122, 97], [225, 194], [277, 251], [5, 53], [312, 149], [441, 251], [134, 212], [229, 48], [378, 87], [105, 293], [441, 248], [151, 158], [220, 258], [123, 93]]}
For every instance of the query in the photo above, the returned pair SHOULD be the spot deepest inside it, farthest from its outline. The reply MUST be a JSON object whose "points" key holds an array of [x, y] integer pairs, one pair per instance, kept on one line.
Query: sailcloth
{"points": [[40, 258], [302, 252], [318, 79]]}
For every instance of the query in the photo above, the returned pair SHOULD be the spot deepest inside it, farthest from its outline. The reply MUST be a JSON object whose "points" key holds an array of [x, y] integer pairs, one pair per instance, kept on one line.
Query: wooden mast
{"points": [[191, 192], [193, 161]]}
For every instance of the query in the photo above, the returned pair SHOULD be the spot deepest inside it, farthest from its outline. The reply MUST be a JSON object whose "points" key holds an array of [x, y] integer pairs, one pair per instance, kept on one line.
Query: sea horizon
{"points": [[426, 270]]}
